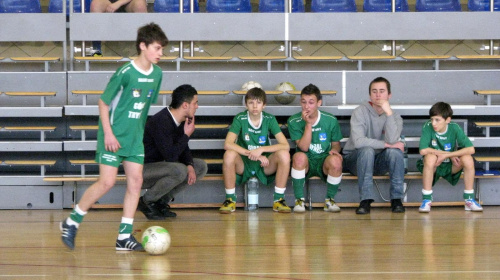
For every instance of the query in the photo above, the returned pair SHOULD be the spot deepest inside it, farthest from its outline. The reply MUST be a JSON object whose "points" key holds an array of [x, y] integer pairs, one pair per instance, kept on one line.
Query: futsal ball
{"points": [[249, 85], [283, 98], [156, 240]]}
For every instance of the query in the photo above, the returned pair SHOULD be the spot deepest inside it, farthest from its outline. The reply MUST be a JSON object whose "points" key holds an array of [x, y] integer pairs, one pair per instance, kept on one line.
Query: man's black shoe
{"points": [[164, 210], [149, 210], [364, 207], [397, 206]]}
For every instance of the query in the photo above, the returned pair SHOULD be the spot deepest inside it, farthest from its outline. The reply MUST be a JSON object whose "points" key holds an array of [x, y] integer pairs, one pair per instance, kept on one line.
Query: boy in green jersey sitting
{"points": [[249, 152], [446, 151]]}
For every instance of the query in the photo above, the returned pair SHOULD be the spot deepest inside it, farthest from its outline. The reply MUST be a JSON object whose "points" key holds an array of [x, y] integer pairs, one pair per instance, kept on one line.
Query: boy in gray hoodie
{"points": [[374, 148]]}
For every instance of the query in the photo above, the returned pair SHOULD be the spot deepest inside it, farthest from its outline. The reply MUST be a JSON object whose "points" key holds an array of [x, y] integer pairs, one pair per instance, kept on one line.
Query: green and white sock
{"points": [[426, 195], [279, 193], [231, 194], [468, 194], [298, 181], [76, 217], [332, 186], [125, 228]]}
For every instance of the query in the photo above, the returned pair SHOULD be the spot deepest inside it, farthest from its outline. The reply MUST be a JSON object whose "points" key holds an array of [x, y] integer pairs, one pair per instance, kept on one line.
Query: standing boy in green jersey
{"points": [[249, 152], [446, 151], [123, 109], [317, 135]]}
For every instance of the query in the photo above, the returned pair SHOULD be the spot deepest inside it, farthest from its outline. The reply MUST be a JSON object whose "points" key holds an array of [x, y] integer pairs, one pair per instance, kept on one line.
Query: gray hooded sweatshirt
{"points": [[368, 128]]}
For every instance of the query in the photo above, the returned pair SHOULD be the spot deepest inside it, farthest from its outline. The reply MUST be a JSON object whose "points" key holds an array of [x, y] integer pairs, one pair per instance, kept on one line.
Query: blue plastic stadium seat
{"points": [[56, 6], [229, 6], [172, 6], [278, 6], [20, 6], [438, 6], [333, 6], [385, 6], [483, 5]]}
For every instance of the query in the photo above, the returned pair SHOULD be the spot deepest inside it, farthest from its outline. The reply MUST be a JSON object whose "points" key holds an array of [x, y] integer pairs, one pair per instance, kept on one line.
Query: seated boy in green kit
{"points": [[446, 151], [249, 152]]}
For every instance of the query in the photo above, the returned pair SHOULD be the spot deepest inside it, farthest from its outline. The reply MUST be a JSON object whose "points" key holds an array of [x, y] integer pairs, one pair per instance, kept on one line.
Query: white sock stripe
{"points": [[425, 192], [469, 191], [279, 190], [231, 191], [298, 174], [80, 211], [334, 180], [127, 220]]}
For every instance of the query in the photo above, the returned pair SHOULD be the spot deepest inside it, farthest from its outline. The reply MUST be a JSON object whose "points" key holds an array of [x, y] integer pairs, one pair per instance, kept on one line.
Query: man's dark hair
{"points": [[183, 93], [380, 80], [441, 109], [149, 34], [256, 93], [311, 89]]}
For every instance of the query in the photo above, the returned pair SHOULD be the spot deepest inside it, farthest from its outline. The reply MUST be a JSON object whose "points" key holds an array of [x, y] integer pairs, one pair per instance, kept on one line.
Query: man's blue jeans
{"points": [[365, 163]]}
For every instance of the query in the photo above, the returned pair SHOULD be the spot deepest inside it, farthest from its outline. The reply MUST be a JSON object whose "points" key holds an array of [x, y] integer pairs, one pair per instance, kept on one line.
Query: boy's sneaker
{"points": [[330, 206], [96, 53], [426, 206], [299, 206], [68, 234], [472, 205], [228, 206], [128, 244], [281, 207]]}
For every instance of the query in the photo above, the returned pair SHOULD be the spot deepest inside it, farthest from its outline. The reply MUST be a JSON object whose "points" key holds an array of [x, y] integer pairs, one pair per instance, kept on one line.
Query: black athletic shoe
{"points": [[149, 210], [164, 210], [68, 234], [397, 206], [129, 244], [364, 207]]}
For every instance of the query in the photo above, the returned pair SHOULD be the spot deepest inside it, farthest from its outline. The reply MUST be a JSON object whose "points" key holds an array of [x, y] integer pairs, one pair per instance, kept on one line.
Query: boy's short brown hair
{"points": [[442, 109], [256, 93], [149, 34]]}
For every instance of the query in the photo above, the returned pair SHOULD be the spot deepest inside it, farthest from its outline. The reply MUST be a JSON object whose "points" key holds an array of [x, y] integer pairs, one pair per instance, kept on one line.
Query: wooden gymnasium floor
{"points": [[448, 243]]}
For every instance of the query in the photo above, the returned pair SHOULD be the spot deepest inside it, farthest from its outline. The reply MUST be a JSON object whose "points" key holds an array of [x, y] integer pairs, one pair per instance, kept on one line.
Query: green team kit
{"points": [[251, 138], [454, 138], [325, 131], [129, 95]]}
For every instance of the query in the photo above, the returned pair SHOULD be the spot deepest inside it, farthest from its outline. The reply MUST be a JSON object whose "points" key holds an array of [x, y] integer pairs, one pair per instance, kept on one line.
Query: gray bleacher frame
{"points": [[454, 86]]}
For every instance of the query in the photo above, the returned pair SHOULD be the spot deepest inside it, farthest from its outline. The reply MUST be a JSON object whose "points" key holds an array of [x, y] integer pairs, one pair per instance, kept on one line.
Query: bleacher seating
{"points": [[438, 6], [172, 6], [333, 6], [482, 5], [20, 6], [278, 6], [385, 6], [56, 6], [228, 6]]}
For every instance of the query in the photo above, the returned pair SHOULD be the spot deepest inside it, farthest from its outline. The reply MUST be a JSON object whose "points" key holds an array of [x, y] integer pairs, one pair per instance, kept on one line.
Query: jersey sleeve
{"points": [[336, 133], [462, 140], [295, 129], [235, 126], [425, 137], [157, 90], [115, 84], [274, 127]]}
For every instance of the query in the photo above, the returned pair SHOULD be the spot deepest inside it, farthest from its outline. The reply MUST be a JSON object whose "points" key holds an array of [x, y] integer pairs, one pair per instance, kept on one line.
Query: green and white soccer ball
{"points": [[249, 85], [156, 240], [285, 98]]}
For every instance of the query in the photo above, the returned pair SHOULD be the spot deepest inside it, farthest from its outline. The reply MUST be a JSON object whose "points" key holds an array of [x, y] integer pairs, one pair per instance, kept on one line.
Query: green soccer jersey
{"points": [[325, 131], [250, 137], [454, 138], [129, 95]]}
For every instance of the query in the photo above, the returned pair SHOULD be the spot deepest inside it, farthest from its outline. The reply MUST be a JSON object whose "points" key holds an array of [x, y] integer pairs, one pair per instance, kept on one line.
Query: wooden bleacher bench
{"points": [[163, 58], [98, 58], [478, 56], [208, 58], [318, 57], [29, 128], [35, 59], [41, 163], [425, 57], [30, 93], [487, 94], [370, 57], [262, 57], [486, 126]]}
